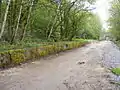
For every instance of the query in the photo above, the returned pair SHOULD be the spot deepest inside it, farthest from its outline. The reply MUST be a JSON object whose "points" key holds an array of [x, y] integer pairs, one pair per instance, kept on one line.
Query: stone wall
{"points": [[18, 56]]}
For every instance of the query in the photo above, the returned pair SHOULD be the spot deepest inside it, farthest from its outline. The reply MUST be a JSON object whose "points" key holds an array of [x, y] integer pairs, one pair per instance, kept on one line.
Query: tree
{"points": [[114, 19], [55, 20], [5, 18]]}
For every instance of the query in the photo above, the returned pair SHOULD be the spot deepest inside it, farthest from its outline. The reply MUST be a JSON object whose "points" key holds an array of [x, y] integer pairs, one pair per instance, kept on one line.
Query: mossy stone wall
{"points": [[15, 57]]}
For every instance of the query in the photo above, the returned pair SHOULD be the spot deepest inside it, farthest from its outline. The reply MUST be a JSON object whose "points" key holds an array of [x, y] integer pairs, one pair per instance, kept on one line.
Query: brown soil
{"points": [[78, 69]]}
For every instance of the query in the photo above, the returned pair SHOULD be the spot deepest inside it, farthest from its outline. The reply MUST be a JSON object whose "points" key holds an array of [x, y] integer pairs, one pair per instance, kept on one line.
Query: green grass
{"points": [[5, 46], [80, 40], [116, 71]]}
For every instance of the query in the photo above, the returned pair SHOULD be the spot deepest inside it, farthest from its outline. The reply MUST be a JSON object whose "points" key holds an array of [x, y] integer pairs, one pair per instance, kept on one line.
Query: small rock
{"points": [[85, 82], [80, 63], [57, 55]]}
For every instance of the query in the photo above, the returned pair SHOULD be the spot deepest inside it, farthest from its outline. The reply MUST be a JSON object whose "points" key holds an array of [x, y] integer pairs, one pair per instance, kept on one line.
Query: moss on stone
{"points": [[13, 57], [17, 56], [4, 59]]}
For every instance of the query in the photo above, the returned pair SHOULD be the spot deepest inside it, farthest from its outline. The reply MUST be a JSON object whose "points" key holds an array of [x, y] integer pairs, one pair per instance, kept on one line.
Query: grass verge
{"points": [[116, 71]]}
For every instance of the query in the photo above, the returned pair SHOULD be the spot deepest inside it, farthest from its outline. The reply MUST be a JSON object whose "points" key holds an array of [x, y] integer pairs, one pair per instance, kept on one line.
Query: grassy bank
{"points": [[116, 71], [11, 55]]}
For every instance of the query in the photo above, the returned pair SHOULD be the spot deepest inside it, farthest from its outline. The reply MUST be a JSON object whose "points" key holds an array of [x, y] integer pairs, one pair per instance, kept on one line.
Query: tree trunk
{"points": [[54, 22], [18, 22], [30, 10], [0, 13], [5, 18]]}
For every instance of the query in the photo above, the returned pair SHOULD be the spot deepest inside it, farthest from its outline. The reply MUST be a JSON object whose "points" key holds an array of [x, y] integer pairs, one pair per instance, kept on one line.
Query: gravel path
{"points": [[79, 69]]}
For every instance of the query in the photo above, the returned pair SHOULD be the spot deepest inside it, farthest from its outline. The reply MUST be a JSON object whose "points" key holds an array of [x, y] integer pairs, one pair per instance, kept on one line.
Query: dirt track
{"points": [[78, 69]]}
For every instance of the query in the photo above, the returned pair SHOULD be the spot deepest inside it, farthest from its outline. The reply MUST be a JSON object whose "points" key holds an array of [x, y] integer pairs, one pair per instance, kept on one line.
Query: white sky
{"points": [[102, 7]]}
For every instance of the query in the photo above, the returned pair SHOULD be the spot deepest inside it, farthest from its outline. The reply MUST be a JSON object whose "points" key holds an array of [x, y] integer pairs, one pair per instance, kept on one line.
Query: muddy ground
{"points": [[84, 68]]}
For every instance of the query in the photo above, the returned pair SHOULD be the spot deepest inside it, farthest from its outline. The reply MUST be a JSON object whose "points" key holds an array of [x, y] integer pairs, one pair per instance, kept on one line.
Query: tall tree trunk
{"points": [[0, 13], [54, 21], [11, 20], [5, 18], [30, 10], [18, 22]]}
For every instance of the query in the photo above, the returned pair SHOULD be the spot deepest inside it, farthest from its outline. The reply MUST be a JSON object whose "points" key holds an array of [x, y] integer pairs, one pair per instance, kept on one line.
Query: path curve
{"points": [[78, 69]]}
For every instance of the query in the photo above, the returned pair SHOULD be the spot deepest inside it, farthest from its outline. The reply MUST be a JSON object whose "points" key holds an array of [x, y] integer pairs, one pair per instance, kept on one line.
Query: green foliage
{"points": [[80, 40], [115, 19], [92, 28], [41, 27], [116, 71], [64, 22], [47, 20]]}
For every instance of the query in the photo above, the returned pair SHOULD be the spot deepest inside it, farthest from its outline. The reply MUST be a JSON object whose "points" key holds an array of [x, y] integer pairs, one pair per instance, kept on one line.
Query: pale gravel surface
{"points": [[79, 69]]}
